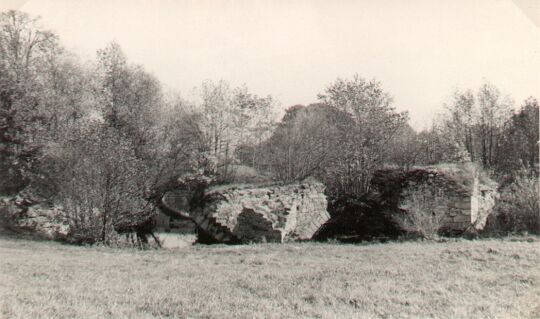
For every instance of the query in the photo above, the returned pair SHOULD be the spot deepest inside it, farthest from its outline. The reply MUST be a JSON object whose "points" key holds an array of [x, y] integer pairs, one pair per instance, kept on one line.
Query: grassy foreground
{"points": [[458, 279]]}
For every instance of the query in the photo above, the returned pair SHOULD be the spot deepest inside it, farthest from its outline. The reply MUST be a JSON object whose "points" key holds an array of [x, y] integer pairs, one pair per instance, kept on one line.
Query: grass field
{"points": [[456, 279]]}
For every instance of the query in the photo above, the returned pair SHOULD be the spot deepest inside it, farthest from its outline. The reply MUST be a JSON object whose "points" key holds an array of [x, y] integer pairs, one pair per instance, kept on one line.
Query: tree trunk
{"points": [[106, 208], [104, 230], [490, 149], [484, 149]]}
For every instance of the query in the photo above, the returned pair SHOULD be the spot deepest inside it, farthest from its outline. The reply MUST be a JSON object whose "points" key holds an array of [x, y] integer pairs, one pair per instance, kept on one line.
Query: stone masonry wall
{"points": [[469, 204], [483, 200], [263, 213]]}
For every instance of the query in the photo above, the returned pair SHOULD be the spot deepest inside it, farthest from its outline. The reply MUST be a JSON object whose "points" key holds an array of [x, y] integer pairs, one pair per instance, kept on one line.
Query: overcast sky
{"points": [[420, 50]]}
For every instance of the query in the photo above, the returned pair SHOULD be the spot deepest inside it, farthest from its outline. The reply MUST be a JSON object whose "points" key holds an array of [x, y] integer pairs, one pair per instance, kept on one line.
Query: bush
{"points": [[424, 212], [99, 181], [518, 209]]}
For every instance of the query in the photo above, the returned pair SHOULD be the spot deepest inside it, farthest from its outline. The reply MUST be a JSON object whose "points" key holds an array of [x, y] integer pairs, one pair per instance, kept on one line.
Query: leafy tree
{"points": [[94, 140], [99, 180], [129, 95], [374, 124], [24, 48], [306, 143]]}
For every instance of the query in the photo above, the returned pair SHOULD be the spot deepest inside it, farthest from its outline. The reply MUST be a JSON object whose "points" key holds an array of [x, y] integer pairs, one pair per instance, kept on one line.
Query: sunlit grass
{"points": [[457, 279]]}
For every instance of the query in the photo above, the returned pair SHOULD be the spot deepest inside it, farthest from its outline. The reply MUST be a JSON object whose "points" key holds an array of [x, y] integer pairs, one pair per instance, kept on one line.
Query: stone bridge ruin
{"points": [[253, 213], [470, 194]]}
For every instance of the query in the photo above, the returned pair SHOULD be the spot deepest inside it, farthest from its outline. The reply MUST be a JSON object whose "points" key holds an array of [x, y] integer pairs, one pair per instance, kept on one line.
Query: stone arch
{"points": [[254, 227]]}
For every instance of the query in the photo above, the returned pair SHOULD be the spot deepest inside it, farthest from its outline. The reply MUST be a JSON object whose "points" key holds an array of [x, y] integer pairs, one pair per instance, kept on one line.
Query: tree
{"points": [[519, 146], [230, 118], [460, 124], [436, 146], [493, 113], [99, 181], [102, 141], [374, 124], [305, 143], [404, 149], [129, 95], [24, 47], [180, 147], [475, 123], [254, 120]]}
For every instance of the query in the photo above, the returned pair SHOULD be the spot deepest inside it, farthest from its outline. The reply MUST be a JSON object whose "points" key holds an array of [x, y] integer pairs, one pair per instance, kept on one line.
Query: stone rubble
{"points": [[41, 222]]}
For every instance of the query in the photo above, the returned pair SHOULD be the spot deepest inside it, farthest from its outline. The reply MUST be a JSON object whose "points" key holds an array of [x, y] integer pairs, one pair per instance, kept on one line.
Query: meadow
{"points": [[455, 279]]}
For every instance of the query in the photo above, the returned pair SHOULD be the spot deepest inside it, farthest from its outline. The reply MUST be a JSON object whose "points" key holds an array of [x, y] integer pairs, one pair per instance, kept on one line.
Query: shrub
{"points": [[99, 181], [424, 212], [518, 209]]}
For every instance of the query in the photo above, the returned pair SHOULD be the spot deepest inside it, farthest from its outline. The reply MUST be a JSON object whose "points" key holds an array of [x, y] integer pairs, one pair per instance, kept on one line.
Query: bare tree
{"points": [[254, 120], [404, 149], [438, 146], [519, 147], [460, 125], [230, 118], [476, 123], [493, 113]]}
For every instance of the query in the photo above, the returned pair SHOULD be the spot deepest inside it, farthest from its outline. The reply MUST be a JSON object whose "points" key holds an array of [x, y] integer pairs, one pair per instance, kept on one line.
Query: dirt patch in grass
{"points": [[456, 279]]}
